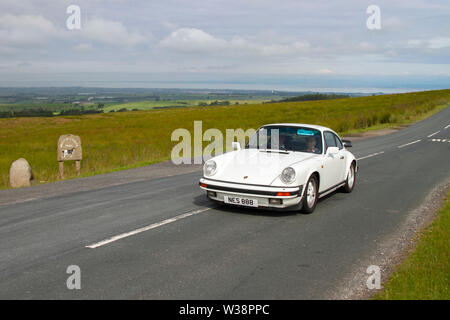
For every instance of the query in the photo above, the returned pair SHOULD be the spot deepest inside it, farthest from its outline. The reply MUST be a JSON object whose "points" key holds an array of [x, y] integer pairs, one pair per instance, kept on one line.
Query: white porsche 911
{"points": [[282, 166]]}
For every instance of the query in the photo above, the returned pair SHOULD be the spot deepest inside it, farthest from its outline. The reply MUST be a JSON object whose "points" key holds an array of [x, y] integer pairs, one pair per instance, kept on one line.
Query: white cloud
{"points": [[324, 71], [38, 23], [367, 46], [191, 39], [25, 31], [83, 47], [34, 32], [113, 33], [439, 43], [392, 23], [270, 49], [24, 65], [414, 43], [249, 36], [169, 25], [196, 40]]}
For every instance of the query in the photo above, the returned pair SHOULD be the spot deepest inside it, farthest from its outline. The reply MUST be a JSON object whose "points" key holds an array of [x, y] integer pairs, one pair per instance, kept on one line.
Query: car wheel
{"points": [[351, 179], [310, 196]]}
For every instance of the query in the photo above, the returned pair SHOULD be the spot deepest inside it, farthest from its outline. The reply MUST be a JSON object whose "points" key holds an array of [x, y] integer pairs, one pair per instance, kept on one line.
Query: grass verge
{"points": [[425, 274]]}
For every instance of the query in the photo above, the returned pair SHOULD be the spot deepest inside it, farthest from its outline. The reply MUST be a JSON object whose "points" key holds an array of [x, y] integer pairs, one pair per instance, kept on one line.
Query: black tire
{"points": [[349, 184], [310, 205]]}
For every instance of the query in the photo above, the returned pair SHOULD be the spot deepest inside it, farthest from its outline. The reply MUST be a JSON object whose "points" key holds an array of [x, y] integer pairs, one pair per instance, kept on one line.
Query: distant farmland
{"points": [[118, 140], [149, 105]]}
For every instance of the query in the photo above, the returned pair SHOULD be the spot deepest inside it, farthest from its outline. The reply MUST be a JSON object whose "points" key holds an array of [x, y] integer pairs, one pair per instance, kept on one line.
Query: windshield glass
{"points": [[287, 138]]}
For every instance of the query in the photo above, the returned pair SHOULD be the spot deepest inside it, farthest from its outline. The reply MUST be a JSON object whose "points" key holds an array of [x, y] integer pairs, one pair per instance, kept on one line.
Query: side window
{"points": [[338, 142], [329, 140]]}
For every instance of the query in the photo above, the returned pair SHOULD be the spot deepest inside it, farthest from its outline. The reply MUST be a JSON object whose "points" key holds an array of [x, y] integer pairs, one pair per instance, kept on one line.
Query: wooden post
{"points": [[61, 169], [78, 167]]}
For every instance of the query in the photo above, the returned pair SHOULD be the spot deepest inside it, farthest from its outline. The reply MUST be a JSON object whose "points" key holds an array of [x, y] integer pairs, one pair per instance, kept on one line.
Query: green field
{"points": [[425, 274], [149, 105], [56, 108], [126, 139], [122, 99]]}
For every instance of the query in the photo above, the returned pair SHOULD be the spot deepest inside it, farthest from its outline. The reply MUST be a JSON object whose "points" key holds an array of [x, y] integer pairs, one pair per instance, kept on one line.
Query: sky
{"points": [[291, 44]]}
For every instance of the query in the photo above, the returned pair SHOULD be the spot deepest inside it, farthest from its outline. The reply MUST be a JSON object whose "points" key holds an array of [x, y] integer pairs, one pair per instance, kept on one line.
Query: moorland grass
{"points": [[127, 139]]}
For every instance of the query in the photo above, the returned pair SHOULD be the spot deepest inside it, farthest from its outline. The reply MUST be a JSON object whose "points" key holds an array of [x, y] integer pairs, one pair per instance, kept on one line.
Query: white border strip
{"points": [[407, 144], [149, 227], [371, 155]]}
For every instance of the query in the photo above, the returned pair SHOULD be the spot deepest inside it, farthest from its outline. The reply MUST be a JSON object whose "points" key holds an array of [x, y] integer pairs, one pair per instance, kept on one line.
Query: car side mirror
{"points": [[347, 143], [332, 150], [236, 146]]}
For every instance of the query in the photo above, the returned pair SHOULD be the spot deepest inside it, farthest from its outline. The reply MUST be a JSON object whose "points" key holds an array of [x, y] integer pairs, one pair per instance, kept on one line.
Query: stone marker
{"points": [[20, 174], [69, 148]]}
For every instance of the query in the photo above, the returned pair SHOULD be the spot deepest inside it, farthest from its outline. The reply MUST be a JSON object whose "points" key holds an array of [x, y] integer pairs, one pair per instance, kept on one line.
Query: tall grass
{"points": [[116, 140], [425, 273]]}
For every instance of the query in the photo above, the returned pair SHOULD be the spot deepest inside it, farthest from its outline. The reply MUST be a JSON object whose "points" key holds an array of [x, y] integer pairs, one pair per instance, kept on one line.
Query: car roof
{"points": [[320, 128]]}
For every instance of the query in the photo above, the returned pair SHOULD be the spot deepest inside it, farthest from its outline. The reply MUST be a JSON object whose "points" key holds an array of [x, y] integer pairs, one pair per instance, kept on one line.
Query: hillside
{"points": [[117, 140]]}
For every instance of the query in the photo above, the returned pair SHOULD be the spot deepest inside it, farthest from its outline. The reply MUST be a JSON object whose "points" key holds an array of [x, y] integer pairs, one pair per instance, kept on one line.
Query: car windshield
{"points": [[287, 138]]}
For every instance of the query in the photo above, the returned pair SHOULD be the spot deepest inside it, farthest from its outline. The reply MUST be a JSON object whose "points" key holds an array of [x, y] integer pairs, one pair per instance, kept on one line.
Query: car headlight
{"points": [[209, 168], [288, 175]]}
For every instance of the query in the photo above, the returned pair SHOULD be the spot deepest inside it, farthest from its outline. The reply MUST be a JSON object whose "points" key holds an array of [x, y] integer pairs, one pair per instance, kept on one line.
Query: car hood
{"points": [[252, 166]]}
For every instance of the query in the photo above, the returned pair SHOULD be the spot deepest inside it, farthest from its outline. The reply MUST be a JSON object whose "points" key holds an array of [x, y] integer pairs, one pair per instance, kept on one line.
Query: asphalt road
{"points": [[175, 244]]}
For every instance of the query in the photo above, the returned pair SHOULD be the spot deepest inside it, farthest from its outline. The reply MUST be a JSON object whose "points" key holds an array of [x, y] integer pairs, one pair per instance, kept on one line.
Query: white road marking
{"points": [[433, 134], [447, 126], [407, 144], [371, 155], [149, 227]]}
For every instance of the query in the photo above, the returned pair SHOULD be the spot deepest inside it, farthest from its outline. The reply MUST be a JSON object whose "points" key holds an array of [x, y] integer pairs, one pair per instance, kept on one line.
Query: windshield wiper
{"points": [[274, 150]]}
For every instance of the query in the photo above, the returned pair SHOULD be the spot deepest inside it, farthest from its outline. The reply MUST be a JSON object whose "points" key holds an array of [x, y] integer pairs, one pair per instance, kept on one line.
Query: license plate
{"points": [[241, 201]]}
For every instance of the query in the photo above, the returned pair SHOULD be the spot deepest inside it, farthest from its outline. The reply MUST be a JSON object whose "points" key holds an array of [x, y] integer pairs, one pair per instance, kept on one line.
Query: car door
{"points": [[342, 157], [332, 164]]}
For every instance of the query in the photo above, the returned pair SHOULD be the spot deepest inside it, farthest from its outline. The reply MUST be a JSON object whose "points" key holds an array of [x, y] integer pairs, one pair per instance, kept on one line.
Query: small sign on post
{"points": [[69, 149]]}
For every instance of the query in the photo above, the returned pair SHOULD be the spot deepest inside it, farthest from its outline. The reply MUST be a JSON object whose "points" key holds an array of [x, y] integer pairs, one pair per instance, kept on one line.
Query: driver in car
{"points": [[311, 145]]}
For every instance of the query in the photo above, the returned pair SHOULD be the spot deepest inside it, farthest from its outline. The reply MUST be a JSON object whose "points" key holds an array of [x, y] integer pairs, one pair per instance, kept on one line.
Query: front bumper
{"points": [[291, 196]]}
